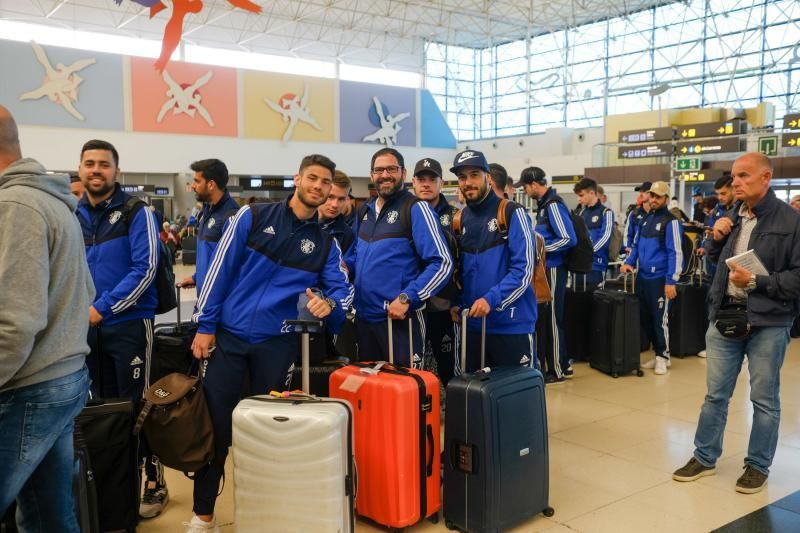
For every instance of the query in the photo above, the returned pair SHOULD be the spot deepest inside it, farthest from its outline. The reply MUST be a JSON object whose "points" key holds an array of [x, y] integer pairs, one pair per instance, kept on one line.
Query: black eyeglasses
{"points": [[378, 171]]}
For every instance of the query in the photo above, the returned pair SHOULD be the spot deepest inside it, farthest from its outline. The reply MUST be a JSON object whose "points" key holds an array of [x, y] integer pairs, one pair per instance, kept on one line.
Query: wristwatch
{"points": [[751, 284], [331, 302], [403, 298]]}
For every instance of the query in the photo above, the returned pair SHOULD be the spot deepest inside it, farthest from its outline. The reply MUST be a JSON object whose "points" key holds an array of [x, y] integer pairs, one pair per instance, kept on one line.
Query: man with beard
{"points": [[332, 219], [439, 330], [497, 265], [122, 250], [401, 261], [269, 255], [210, 187]]}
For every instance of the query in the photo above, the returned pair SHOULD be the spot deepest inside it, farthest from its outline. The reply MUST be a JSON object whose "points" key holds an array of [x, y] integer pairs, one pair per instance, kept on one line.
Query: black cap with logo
{"points": [[429, 166]]}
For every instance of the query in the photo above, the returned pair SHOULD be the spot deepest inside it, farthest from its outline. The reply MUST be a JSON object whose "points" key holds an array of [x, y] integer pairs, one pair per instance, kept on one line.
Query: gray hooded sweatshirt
{"points": [[45, 287]]}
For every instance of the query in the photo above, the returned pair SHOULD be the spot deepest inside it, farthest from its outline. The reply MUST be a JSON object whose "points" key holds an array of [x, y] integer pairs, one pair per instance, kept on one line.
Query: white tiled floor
{"points": [[613, 445]]}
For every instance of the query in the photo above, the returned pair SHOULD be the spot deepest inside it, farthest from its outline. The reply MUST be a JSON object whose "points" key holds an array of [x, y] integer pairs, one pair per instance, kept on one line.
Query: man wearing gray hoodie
{"points": [[44, 315]]}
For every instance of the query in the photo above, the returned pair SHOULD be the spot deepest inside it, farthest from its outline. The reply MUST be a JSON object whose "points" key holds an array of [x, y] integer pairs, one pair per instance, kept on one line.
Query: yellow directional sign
{"points": [[790, 139], [698, 149], [792, 142], [791, 121], [712, 129], [684, 150]]}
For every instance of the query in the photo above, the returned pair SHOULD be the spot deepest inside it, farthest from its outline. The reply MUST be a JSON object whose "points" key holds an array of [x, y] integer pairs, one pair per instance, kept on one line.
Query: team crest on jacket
{"points": [[307, 246], [595, 218], [445, 219], [211, 223], [391, 217], [493, 225], [114, 217]]}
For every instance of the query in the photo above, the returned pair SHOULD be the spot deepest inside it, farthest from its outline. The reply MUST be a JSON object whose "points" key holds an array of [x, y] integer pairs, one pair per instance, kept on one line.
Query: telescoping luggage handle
{"points": [[464, 316], [410, 341], [305, 328], [178, 307]]}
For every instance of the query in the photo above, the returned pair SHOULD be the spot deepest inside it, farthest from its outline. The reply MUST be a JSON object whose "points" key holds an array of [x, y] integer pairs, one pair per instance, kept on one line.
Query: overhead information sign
{"points": [[563, 180], [688, 163], [710, 174], [712, 129], [266, 183], [645, 150], [711, 146], [647, 135], [791, 121], [790, 140]]}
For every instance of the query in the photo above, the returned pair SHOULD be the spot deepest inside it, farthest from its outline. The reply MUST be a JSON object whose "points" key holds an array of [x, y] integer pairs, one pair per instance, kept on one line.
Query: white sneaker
{"points": [[198, 526], [661, 365], [652, 362], [701, 353]]}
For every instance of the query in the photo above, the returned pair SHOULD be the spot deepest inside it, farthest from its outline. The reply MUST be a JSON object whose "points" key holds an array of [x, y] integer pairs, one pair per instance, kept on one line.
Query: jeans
{"points": [[765, 349], [36, 453]]}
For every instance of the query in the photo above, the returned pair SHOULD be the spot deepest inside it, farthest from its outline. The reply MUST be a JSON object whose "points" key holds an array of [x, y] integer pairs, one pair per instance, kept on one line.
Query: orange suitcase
{"points": [[397, 440]]}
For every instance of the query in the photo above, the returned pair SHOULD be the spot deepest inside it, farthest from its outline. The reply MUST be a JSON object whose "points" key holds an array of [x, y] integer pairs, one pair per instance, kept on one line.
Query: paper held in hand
{"points": [[750, 262]]}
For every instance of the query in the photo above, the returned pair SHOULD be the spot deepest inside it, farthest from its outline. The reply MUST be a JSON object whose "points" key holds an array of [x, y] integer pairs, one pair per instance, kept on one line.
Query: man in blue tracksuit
{"points": [[554, 225], [439, 331], [401, 261], [600, 223], [268, 256], [122, 249], [636, 216], [657, 248], [497, 265], [724, 189], [210, 187], [334, 223]]}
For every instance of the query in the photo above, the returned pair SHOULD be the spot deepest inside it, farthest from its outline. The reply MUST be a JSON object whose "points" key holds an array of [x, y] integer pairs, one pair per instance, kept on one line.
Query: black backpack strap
{"points": [[405, 216], [131, 208]]}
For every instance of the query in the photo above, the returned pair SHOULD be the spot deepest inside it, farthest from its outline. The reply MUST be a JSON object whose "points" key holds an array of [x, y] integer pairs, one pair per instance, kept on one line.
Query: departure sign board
{"points": [[711, 129], [710, 146], [266, 183], [645, 150], [791, 121], [565, 180], [647, 135], [790, 140]]}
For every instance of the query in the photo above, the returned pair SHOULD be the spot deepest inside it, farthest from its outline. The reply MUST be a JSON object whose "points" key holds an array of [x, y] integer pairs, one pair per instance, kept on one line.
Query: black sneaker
{"points": [[549, 379], [568, 373], [154, 500], [752, 481], [693, 470]]}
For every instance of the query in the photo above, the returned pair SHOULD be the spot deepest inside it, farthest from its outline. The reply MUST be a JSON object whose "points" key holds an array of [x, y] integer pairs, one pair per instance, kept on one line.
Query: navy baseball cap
{"points": [[429, 166], [644, 187], [470, 158]]}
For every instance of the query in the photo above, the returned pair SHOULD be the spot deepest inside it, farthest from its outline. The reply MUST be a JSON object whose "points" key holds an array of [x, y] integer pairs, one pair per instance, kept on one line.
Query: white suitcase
{"points": [[293, 464]]}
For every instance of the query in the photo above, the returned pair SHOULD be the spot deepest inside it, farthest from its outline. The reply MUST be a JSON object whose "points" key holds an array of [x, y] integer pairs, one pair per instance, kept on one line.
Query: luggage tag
{"points": [[373, 371]]}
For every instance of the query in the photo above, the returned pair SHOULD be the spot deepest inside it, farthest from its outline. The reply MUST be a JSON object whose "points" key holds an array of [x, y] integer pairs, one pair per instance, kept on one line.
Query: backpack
{"points": [[504, 212], [615, 244], [165, 277], [579, 258]]}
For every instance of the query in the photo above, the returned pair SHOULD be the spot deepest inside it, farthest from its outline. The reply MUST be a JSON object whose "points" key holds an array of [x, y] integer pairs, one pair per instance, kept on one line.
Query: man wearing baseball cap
{"points": [[657, 248], [636, 215], [427, 182]]}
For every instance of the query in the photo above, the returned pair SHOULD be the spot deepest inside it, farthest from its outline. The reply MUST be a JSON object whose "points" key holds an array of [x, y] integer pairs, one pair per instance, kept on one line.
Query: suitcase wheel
{"points": [[434, 518], [450, 525], [614, 375], [639, 372], [549, 511]]}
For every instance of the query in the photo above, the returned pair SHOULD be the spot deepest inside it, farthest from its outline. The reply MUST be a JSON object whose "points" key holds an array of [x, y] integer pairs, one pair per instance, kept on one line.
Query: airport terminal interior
{"points": [[631, 94]]}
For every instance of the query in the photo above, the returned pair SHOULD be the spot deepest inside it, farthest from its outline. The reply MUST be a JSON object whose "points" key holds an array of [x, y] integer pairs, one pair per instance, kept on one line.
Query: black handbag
{"points": [[732, 322]]}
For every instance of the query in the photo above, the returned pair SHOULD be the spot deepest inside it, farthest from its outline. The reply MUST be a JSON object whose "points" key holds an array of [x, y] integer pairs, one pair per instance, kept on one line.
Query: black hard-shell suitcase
{"points": [[496, 468], [615, 332], [688, 318], [107, 427], [172, 346], [319, 375], [84, 487], [578, 320]]}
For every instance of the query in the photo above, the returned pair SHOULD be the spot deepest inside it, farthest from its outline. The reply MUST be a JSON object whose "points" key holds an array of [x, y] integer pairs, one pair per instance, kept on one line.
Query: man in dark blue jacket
{"points": [[636, 215], [122, 250], [439, 332], [657, 251], [724, 189], [333, 221], [269, 255], [764, 305], [497, 267], [600, 223], [555, 226], [401, 261], [210, 187]]}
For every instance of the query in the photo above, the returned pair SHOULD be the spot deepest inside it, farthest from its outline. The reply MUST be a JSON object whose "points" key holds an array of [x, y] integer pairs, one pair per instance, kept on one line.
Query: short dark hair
{"points": [[388, 151], [213, 170], [499, 175], [710, 202], [585, 184], [97, 144], [533, 175], [74, 178], [724, 181], [318, 160]]}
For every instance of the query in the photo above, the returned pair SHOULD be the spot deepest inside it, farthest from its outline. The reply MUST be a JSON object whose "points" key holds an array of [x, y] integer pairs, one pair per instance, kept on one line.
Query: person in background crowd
{"points": [[723, 188], [268, 256], [439, 331], [697, 214], [600, 223], [795, 202], [76, 187], [210, 186], [44, 310], [554, 224], [709, 205], [498, 179], [123, 252], [636, 215], [511, 189], [601, 193], [349, 207], [460, 202], [333, 221], [763, 308], [657, 251]]}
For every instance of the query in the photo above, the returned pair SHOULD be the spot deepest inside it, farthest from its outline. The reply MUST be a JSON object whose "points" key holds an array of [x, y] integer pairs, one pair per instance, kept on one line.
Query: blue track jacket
{"points": [[122, 260], [388, 262], [264, 261], [498, 268], [555, 227], [339, 230], [210, 227], [657, 247], [600, 223], [635, 218]]}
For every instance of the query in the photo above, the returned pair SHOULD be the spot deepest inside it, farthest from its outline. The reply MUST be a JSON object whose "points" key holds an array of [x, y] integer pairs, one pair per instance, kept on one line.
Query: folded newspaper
{"points": [[750, 262]]}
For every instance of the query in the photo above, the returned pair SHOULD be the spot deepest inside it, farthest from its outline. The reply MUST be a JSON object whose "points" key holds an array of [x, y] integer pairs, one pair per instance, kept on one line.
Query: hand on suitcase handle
{"points": [[480, 308], [203, 344]]}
